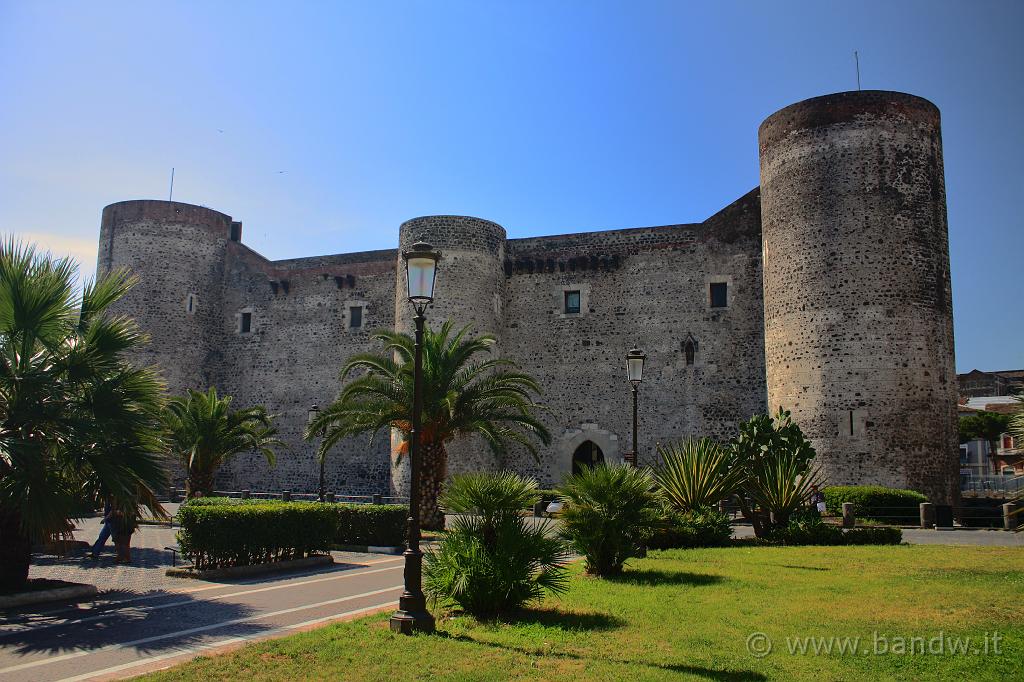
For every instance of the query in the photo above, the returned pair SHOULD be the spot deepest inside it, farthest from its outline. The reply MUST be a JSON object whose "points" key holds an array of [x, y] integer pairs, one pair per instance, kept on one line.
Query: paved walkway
{"points": [[143, 620]]}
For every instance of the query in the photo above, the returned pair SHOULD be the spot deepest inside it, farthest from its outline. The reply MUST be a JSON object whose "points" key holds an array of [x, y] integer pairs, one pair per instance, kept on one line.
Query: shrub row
{"points": [[371, 524], [216, 536], [217, 501], [222, 532], [700, 528], [890, 505], [825, 534]]}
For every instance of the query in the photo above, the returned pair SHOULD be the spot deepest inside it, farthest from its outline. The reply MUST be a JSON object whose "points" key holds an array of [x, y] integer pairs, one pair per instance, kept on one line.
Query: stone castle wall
{"points": [[847, 289]]}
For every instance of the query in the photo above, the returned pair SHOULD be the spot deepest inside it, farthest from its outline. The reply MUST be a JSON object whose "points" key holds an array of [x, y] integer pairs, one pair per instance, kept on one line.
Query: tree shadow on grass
{"points": [[565, 620], [697, 670], [805, 568], [650, 578]]}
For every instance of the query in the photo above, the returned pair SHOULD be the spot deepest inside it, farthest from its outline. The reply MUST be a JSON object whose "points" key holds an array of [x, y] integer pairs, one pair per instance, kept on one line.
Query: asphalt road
{"points": [[110, 638]]}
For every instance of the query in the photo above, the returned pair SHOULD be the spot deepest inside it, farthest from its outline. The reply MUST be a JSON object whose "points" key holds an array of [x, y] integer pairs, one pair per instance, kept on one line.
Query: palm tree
{"points": [[204, 433], [76, 419], [461, 395]]}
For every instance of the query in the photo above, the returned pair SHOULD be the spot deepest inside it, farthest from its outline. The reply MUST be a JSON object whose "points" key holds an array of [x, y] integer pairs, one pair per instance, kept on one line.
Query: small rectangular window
{"points": [[572, 302], [246, 323], [355, 316], [719, 295]]}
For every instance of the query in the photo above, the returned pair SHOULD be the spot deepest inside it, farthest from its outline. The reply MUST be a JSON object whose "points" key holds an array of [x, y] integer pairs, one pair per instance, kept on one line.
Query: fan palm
{"points": [[492, 560], [204, 433], [461, 395], [76, 419]]}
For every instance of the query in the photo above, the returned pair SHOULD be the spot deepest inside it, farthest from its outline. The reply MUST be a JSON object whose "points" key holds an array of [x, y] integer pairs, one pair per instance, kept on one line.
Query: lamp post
{"points": [[412, 614], [311, 416], [635, 373]]}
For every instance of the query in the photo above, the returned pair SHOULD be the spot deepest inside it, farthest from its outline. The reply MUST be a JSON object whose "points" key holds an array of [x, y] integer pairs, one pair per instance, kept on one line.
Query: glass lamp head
{"points": [[635, 365], [421, 271]]}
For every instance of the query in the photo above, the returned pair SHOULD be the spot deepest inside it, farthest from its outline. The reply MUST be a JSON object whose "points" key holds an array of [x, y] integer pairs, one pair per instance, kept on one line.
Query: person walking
{"points": [[108, 528]]}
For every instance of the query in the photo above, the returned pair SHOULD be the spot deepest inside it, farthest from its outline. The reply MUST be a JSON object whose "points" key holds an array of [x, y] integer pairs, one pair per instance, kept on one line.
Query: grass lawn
{"points": [[687, 614]]}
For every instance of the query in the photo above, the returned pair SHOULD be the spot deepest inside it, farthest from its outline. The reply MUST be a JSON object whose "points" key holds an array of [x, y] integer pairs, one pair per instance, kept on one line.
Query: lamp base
{"points": [[408, 621]]}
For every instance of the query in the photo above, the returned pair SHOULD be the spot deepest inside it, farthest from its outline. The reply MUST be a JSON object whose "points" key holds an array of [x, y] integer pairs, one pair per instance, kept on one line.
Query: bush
{"points": [[696, 474], [492, 560], [383, 525], [698, 528], [216, 536], [890, 505], [547, 494], [810, 531], [219, 501], [609, 513]]}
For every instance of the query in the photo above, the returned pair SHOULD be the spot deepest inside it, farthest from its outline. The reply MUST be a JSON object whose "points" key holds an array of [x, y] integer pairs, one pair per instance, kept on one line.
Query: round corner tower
{"points": [[177, 252], [468, 290], [857, 298]]}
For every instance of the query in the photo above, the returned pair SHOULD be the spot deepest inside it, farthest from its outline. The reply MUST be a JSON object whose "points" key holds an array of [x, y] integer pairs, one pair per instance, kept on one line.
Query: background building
{"points": [[826, 290]]}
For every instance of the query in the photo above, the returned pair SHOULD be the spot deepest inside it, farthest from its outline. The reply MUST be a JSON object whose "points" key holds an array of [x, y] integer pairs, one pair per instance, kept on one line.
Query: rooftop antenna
{"points": [[170, 195], [856, 60]]}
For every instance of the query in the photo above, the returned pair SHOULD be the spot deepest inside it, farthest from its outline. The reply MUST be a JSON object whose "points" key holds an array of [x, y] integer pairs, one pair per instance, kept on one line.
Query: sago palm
{"points": [[696, 474], [461, 395], [76, 418], [204, 433]]}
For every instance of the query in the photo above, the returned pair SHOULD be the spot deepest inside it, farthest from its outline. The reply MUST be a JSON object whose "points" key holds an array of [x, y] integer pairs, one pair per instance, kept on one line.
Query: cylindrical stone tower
{"points": [[178, 252], [857, 300], [468, 290]]}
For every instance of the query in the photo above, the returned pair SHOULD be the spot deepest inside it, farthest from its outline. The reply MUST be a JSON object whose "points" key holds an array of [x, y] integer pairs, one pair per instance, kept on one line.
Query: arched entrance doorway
{"points": [[588, 454]]}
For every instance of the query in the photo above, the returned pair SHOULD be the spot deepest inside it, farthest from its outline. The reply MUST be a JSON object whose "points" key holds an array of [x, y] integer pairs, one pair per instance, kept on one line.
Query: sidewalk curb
{"points": [[74, 591], [369, 549]]}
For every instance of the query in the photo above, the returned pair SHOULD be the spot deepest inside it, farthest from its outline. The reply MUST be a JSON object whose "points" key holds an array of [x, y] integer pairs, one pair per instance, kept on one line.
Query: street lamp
{"points": [[635, 373], [311, 416], [412, 614]]}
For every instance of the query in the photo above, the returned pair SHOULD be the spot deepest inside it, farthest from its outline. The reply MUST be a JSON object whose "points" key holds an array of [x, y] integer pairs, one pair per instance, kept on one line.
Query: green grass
{"points": [[687, 614]]}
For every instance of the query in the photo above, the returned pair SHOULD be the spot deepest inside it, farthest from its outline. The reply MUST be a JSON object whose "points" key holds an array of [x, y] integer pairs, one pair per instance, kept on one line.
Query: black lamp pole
{"points": [[635, 359], [412, 614]]}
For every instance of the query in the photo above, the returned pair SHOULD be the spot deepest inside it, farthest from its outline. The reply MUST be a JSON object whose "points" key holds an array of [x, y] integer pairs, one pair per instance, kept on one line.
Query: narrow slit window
{"points": [[719, 295], [190, 304], [690, 348], [355, 316], [246, 325], [572, 301]]}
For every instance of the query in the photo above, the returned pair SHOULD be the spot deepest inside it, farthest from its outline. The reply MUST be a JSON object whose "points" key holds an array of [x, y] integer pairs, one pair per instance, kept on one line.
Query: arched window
{"points": [[690, 349]]}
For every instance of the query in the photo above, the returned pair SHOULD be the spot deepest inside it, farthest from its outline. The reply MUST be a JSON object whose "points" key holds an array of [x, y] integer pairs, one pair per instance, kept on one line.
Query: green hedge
{"points": [[371, 524], [220, 535], [890, 505], [707, 528], [218, 501], [818, 533], [547, 494]]}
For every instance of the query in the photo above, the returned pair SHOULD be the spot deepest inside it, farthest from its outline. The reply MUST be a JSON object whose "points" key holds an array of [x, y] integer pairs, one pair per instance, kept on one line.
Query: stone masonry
{"points": [[835, 274]]}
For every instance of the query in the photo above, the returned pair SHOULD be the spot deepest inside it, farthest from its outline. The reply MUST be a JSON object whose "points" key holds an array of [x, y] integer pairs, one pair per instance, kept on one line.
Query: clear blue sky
{"points": [[543, 116]]}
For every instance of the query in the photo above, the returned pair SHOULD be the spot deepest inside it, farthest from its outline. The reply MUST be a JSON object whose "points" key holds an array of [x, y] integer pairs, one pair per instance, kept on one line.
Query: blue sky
{"points": [[323, 125]]}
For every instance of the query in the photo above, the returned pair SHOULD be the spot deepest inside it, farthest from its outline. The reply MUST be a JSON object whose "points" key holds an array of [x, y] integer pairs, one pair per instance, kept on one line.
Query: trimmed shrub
{"points": [[547, 494], [383, 525], [873, 536], [219, 501], [890, 505], [815, 532], [698, 528], [216, 536]]}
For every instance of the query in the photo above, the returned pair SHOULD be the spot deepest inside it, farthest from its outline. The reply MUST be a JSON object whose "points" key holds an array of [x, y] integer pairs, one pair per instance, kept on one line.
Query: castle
{"points": [[826, 290]]}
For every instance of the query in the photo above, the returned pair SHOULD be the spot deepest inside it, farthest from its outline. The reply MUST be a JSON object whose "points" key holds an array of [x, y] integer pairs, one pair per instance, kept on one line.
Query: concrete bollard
{"points": [[848, 518], [286, 495], [1010, 520], [377, 498], [246, 494], [927, 515], [329, 497]]}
